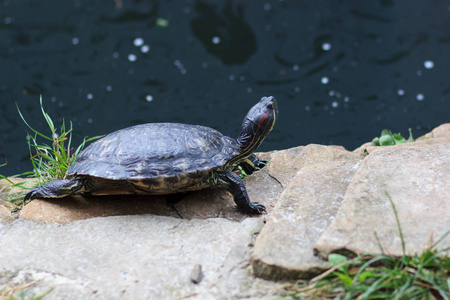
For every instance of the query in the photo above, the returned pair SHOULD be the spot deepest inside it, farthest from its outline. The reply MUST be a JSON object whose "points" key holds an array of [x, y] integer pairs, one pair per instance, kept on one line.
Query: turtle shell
{"points": [[161, 151]]}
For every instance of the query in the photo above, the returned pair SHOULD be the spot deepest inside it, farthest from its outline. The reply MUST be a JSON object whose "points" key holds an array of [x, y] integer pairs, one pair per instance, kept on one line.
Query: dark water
{"points": [[341, 70]]}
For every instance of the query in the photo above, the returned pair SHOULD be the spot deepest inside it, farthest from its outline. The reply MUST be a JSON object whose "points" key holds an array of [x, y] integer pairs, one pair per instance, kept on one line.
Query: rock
{"points": [[417, 177], [141, 248], [69, 209], [15, 187], [130, 257], [284, 164], [5, 214], [438, 135], [211, 203], [196, 274], [283, 250], [208, 203], [441, 133]]}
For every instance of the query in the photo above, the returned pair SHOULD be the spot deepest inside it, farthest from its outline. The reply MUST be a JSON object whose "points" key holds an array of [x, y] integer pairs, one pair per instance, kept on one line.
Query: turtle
{"points": [[168, 158]]}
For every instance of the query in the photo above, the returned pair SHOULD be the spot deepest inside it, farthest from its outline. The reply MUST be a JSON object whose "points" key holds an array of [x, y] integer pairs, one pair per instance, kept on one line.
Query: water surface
{"points": [[341, 70]]}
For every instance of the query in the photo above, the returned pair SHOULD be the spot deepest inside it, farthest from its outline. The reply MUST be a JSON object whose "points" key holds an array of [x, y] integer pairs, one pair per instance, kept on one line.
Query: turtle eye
{"points": [[271, 105]]}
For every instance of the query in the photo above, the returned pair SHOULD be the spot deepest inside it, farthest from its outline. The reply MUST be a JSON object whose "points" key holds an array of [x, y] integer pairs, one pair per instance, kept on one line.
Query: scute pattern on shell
{"points": [[156, 150]]}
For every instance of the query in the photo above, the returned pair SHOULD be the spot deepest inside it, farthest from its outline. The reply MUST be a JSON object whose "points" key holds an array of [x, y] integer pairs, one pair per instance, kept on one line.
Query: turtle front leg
{"points": [[234, 184], [252, 164], [56, 189]]}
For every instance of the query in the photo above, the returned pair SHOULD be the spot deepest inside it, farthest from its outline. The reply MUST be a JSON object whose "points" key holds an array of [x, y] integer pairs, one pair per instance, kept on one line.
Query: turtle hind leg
{"points": [[234, 184], [56, 189]]}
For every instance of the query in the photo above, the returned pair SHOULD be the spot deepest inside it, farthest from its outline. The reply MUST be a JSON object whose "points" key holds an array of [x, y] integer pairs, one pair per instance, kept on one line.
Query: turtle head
{"points": [[257, 124]]}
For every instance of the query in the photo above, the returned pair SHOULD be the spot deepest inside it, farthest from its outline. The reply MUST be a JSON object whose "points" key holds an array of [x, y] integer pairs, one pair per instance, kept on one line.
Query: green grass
{"points": [[424, 276], [242, 172], [51, 160], [51, 154], [387, 138], [20, 293]]}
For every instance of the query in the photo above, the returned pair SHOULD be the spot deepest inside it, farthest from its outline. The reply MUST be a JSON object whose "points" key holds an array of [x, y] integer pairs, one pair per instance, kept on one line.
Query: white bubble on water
{"points": [[420, 97], [90, 96], [145, 48], [401, 92], [75, 41], [138, 42], [324, 80], [216, 40], [334, 104], [428, 64], [149, 98], [108, 88], [180, 66], [132, 57], [295, 68], [326, 46]]}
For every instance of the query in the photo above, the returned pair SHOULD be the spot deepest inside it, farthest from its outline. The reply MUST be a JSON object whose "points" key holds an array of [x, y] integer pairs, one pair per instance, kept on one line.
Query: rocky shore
{"points": [[319, 200]]}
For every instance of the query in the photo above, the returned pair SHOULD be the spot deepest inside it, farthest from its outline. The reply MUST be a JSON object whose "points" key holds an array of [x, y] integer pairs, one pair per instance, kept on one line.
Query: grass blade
{"points": [[399, 227]]}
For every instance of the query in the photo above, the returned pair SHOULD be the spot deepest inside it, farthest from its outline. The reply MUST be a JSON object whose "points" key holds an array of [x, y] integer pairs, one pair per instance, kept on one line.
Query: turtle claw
{"points": [[257, 208], [31, 195], [261, 164]]}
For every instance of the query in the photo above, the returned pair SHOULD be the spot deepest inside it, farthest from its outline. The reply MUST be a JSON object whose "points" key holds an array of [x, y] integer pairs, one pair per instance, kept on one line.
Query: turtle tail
{"points": [[56, 189]]}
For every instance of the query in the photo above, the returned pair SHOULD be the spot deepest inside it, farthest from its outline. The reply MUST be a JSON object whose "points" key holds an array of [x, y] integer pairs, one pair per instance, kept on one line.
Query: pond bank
{"points": [[319, 199]]}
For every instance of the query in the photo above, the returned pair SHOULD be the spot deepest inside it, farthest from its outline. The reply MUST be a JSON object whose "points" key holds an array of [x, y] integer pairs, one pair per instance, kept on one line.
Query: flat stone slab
{"points": [[11, 188], [5, 214], [284, 164], [438, 135], [284, 248], [261, 187], [417, 177], [131, 257], [69, 209], [209, 203]]}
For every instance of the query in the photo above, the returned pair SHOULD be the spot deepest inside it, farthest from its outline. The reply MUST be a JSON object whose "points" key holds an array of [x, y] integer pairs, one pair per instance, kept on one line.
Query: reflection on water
{"points": [[224, 31], [341, 71]]}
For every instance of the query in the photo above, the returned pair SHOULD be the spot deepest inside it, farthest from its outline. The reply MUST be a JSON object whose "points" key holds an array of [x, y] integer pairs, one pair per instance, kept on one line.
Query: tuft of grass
{"points": [[424, 276], [50, 154], [51, 159], [388, 138], [19, 292]]}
